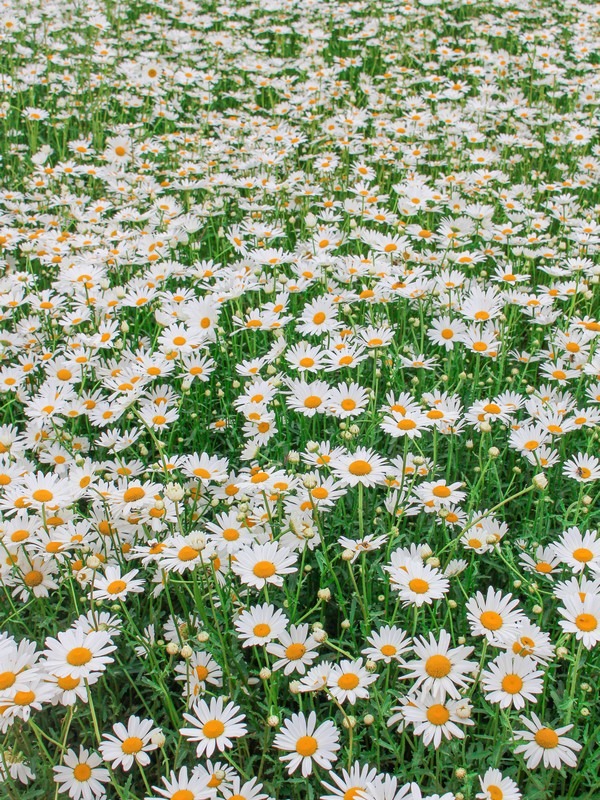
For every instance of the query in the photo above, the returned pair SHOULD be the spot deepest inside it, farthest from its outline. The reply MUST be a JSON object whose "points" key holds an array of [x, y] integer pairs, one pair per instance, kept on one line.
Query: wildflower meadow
{"points": [[300, 391]]}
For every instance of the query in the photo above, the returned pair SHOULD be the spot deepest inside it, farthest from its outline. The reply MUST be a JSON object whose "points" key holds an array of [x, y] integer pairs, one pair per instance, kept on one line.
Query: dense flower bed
{"points": [[300, 379]]}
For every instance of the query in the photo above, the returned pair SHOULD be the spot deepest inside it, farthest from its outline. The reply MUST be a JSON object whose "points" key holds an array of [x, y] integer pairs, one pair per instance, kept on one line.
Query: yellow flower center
{"points": [[264, 569], [306, 746], [438, 666], [213, 729], [546, 738], [348, 681], [491, 620], [295, 651], [438, 714], [133, 744], [512, 683], [79, 656], [360, 467], [82, 773]]}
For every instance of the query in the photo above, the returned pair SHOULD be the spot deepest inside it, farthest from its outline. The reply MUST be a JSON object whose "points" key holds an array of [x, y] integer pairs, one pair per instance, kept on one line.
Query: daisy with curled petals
{"points": [[114, 586], [81, 775], [367, 544], [510, 680], [348, 680], [363, 466], [418, 583], [546, 744], [582, 617], [494, 615], [578, 550], [530, 640], [351, 782], [264, 563], [305, 743], [129, 744], [295, 650], [387, 644], [496, 787], [196, 671], [181, 786], [259, 625], [214, 726], [440, 669], [433, 720], [78, 654]]}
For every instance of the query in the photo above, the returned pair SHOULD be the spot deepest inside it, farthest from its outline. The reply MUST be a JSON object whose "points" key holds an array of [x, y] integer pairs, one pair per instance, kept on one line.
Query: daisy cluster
{"points": [[300, 381]]}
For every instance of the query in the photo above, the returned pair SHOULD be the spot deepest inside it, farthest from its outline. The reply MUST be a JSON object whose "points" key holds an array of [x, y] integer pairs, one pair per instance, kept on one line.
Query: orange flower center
{"points": [[306, 746], [546, 738], [438, 714], [438, 666]]}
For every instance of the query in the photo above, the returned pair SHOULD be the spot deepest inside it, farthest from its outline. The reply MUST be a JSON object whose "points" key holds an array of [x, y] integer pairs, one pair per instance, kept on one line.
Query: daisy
{"points": [[130, 744], [78, 654], [81, 775], [494, 615], [114, 586], [433, 720], [347, 400], [47, 491], [363, 466], [214, 726], [259, 625], [264, 563], [205, 468], [578, 550], [510, 680], [367, 544], [180, 554], [387, 644], [549, 745], [582, 468], [180, 786], [249, 790], [308, 398], [545, 561], [418, 583], [294, 650], [496, 787], [582, 617], [434, 494], [351, 782], [196, 672], [229, 533], [305, 743], [348, 680], [528, 640], [440, 669]]}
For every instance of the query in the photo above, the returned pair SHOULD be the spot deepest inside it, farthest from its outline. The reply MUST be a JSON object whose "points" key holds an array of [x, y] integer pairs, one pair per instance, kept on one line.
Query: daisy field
{"points": [[300, 391]]}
